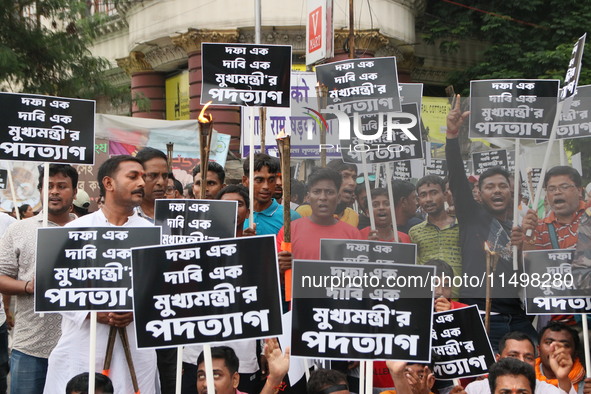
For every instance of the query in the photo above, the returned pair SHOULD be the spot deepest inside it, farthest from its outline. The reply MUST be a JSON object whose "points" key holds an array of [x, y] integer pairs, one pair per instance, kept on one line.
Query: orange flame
{"points": [[486, 247], [281, 134], [203, 117]]}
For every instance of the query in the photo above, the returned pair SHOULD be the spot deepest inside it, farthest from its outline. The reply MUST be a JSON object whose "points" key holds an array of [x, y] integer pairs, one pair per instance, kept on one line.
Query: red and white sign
{"points": [[319, 32], [315, 30]]}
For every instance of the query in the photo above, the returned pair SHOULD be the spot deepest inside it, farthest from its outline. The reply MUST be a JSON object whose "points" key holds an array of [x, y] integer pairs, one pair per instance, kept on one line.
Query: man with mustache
{"points": [[121, 182], [558, 230], [488, 221], [35, 335], [156, 180], [156, 174]]}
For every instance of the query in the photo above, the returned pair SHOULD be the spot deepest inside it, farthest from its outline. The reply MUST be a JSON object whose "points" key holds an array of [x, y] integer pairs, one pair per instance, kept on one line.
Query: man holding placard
{"points": [[121, 182], [35, 335], [558, 230], [485, 224]]}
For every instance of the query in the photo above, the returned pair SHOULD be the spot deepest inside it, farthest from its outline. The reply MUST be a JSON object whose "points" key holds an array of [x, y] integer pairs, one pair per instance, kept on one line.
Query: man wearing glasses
{"points": [[558, 230]]}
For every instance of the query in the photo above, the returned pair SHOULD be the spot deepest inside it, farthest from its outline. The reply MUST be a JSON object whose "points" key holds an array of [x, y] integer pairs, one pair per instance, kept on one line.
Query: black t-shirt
{"points": [[477, 225]]}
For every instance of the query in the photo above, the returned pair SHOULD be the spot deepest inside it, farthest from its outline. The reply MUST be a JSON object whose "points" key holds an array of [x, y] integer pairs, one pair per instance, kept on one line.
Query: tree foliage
{"points": [[526, 39], [44, 49]]}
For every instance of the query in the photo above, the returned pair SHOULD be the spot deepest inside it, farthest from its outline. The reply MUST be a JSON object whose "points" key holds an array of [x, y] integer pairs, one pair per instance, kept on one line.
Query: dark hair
{"points": [[441, 267], [240, 189], [516, 336], [511, 366], [556, 327], [321, 379], [79, 384], [213, 167], [431, 180], [492, 172], [150, 153], [321, 174], [262, 160], [178, 186], [110, 167], [379, 191], [339, 165], [225, 353], [65, 169], [564, 170], [401, 189], [189, 188], [22, 209], [298, 188], [359, 188]]}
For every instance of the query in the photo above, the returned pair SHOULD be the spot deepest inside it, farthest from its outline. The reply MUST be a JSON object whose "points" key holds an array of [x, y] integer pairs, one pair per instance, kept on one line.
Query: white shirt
{"points": [[70, 356]]}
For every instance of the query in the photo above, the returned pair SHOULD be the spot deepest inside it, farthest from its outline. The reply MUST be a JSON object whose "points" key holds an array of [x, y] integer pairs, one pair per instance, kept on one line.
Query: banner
{"points": [[576, 123], [549, 283], [214, 291], [300, 121], [87, 269], [46, 129], [245, 74], [513, 108], [362, 251], [482, 161], [461, 348], [185, 221], [361, 311]]}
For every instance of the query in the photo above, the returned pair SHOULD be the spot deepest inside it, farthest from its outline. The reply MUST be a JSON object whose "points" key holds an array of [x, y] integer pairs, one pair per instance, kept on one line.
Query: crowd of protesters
{"points": [[448, 219]]}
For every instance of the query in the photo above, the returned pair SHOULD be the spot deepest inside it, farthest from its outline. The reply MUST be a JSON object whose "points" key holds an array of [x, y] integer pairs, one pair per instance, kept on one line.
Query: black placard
{"points": [[246, 74], [482, 161], [46, 129], [363, 251], [571, 78], [402, 170], [576, 122], [513, 108], [84, 269], [184, 221], [461, 348], [367, 315], [3, 178], [214, 291], [549, 283], [437, 167]]}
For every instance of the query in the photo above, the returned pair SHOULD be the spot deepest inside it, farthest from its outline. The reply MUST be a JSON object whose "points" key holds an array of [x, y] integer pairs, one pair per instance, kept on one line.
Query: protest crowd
{"points": [[477, 318], [49, 352]]}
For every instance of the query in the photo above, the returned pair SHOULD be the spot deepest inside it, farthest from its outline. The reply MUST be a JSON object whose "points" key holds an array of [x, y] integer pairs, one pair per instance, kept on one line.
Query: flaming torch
{"points": [[205, 133]]}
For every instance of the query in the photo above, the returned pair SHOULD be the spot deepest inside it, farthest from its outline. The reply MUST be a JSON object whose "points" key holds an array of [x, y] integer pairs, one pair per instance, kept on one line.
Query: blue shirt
{"points": [[270, 220]]}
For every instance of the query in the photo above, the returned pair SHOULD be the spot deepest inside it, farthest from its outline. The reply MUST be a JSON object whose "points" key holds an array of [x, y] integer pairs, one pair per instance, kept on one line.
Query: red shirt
{"points": [[306, 236]]}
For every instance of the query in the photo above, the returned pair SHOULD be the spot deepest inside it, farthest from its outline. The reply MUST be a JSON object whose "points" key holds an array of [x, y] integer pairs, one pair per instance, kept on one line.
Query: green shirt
{"points": [[438, 243]]}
